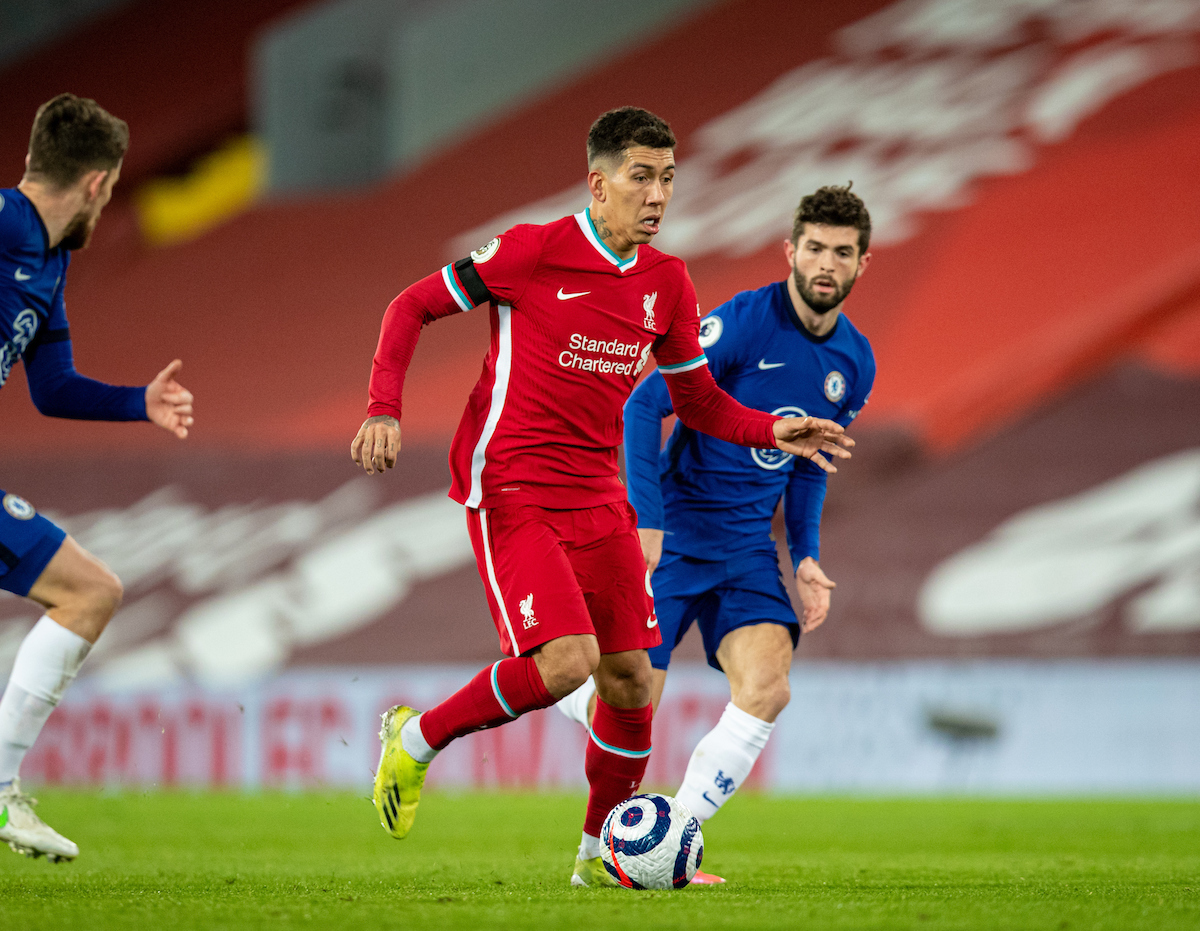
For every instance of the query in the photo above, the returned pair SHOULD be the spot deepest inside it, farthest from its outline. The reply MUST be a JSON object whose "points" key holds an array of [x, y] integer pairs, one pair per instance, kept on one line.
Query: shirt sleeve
{"points": [[644, 413], [58, 390], [416, 306], [803, 501], [497, 271], [696, 398], [12, 225], [724, 341], [505, 265]]}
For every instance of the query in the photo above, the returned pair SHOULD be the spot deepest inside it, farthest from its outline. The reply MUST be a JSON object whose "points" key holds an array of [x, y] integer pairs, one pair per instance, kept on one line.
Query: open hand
{"points": [[808, 437], [168, 403], [377, 444], [815, 590]]}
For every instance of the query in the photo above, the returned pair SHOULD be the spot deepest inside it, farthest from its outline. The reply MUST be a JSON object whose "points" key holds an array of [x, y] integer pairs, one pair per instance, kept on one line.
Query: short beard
{"points": [[78, 232], [818, 304]]}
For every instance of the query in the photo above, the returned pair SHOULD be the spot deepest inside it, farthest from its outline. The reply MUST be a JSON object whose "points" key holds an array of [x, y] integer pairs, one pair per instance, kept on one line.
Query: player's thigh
{"points": [[752, 595], [606, 556], [531, 588], [756, 655], [76, 577], [683, 589], [28, 543]]}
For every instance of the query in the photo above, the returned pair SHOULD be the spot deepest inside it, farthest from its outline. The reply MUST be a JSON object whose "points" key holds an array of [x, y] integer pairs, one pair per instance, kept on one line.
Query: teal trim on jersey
{"points": [[678, 367], [460, 296], [630, 754], [594, 238], [496, 691]]}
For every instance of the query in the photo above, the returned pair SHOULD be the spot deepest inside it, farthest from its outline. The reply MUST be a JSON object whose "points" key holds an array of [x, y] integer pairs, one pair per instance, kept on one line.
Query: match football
{"points": [[651, 842], [684, 464]]}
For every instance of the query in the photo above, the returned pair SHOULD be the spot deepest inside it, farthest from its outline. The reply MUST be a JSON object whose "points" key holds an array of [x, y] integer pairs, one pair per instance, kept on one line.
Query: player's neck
{"points": [[816, 324], [623, 246], [56, 208]]}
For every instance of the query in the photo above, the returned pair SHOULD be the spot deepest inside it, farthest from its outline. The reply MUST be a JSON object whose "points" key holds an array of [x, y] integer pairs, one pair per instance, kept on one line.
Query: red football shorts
{"points": [[550, 573]]}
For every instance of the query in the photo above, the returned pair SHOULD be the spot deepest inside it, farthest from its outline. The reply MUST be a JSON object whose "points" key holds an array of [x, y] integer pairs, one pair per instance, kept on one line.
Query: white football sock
{"points": [[414, 742], [575, 705], [722, 761], [46, 663], [589, 847]]}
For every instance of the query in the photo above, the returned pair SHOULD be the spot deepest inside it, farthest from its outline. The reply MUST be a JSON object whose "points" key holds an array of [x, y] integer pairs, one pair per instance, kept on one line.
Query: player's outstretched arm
{"points": [[378, 440], [377, 444], [168, 403], [809, 437]]}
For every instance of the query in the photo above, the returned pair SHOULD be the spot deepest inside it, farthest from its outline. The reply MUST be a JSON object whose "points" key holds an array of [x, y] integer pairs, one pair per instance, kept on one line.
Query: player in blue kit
{"points": [[705, 506], [75, 154]]}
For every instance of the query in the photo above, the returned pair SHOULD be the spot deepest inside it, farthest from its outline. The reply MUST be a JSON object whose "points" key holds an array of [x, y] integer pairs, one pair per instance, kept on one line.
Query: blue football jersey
{"points": [[714, 499], [33, 322], [31, 280]]}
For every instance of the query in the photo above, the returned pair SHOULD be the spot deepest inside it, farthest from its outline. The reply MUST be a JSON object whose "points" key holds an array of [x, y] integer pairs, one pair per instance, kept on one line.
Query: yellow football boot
{"points": [[591, 872], [399, 779]]}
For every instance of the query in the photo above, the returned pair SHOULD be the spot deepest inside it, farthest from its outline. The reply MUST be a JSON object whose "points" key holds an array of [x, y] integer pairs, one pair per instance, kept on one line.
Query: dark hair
{"points": [[73, 135], [834, 206], [617, 130]]}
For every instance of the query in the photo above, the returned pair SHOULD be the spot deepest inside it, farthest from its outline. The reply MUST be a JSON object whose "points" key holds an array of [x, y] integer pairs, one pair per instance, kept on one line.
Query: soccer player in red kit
{"points": [[577, 306]]}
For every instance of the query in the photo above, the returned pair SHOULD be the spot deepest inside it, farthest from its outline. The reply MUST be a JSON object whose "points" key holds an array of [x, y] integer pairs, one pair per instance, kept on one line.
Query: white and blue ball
{"points": [[651, 842]]}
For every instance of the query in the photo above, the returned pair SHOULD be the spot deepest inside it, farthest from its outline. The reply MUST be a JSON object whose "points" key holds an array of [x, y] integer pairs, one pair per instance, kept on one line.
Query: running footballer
{"points": [[577, 307]]}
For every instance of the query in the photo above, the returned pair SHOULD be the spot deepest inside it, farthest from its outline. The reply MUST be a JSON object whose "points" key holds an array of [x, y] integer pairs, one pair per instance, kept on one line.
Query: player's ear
{"points": [[789, 252], [93, 182], [598, 184], [862, 264]]}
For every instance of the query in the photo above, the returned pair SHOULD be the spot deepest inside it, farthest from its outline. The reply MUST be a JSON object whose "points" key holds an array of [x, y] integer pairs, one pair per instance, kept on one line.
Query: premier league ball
{"points": [[651, 842]]}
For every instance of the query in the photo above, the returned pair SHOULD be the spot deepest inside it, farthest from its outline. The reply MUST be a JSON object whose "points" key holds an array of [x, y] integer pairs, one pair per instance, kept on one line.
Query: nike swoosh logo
{"points": [[704, 795], [563, 296], [764, 364], [21, 276], [652, 621]]}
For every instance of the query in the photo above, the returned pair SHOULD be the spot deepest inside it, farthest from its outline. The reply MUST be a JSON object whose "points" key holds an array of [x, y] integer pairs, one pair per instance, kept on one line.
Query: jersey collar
{"points": [[785, 299], [584, 219]]}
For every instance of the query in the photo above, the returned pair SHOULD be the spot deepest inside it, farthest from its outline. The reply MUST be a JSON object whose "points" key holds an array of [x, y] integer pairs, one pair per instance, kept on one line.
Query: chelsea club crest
{"points": [[835, 386]]}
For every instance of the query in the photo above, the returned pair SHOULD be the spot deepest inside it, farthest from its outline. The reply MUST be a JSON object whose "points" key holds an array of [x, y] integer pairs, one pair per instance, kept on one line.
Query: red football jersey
{"points": [[573, 326]]}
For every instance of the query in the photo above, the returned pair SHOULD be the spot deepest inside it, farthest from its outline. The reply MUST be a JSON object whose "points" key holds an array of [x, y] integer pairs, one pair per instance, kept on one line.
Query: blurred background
{"points": [[1016, 542]]}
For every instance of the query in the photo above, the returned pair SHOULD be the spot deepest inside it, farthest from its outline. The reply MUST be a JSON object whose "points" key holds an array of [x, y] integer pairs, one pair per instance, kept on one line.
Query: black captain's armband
{"points": [[477, 291]]}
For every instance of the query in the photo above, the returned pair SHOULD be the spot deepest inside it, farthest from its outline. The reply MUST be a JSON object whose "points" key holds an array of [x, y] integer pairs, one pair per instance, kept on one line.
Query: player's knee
{"points": [[104, 594], [625, 679], [566, 664], [565, 676], [766, 698]]}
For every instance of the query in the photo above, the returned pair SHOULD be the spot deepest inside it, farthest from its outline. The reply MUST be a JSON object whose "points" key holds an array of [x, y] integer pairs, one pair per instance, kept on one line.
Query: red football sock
{"points": [[499, 694], [617, 753]]}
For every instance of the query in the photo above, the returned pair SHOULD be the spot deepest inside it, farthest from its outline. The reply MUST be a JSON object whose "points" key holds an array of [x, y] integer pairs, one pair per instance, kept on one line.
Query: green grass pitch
{"points": [[476, 861]]}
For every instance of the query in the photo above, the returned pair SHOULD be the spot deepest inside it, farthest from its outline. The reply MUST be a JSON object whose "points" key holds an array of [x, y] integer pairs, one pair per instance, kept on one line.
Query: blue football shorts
{"points": [[28, 542], [719, 596]]}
